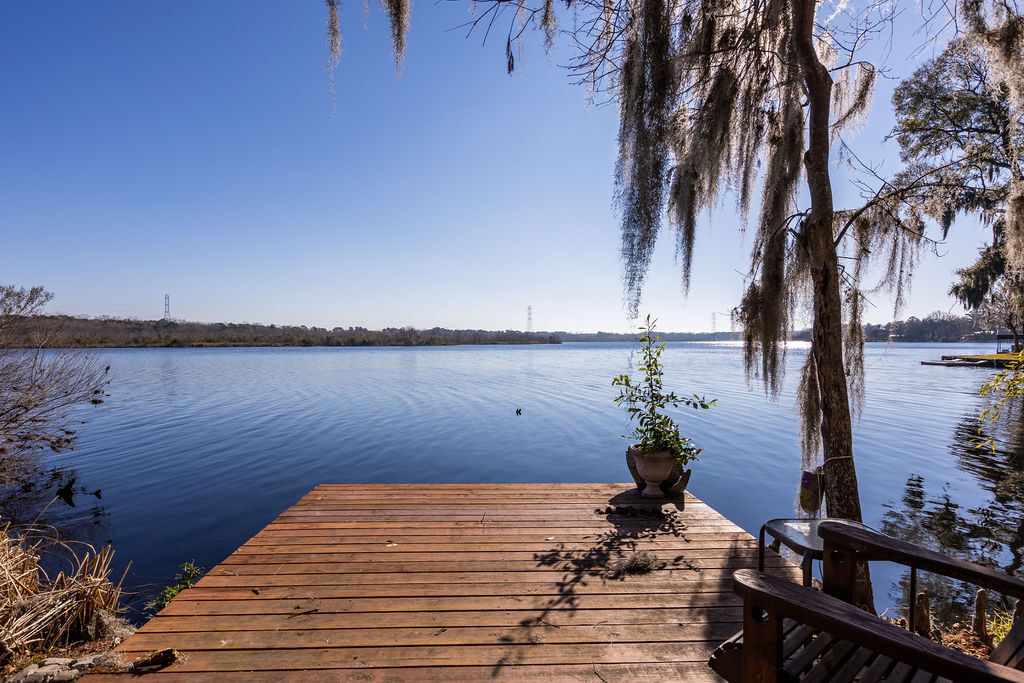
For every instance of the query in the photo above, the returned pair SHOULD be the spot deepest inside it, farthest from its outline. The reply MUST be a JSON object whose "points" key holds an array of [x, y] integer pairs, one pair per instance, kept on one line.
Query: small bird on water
{"points": [[519, 411]]}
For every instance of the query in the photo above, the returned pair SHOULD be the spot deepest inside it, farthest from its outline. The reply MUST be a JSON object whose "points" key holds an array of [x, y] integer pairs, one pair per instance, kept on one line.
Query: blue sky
{"points": [[190, 148]]}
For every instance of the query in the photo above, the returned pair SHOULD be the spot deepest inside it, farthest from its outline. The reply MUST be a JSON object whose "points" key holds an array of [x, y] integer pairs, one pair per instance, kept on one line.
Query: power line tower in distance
{"points": [[714, 324], [529, 318], [167, 306]]}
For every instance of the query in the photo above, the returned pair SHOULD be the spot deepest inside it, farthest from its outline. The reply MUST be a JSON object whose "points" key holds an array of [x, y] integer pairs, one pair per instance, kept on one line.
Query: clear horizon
{"points": [[146, 153]]}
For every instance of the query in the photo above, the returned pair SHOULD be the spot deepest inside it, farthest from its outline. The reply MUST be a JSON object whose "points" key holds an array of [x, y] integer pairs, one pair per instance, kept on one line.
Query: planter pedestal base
{"points": [[673, 486], [653, 490]]}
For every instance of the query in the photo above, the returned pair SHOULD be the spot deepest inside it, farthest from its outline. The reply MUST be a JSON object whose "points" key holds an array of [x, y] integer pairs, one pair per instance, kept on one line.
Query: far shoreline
{"points": [[63, 331], [451, 345]]}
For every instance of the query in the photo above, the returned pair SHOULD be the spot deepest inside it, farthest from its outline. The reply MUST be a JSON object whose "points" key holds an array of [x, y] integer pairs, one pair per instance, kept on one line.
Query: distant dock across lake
{"points": [[994, 360], [463, 582]]}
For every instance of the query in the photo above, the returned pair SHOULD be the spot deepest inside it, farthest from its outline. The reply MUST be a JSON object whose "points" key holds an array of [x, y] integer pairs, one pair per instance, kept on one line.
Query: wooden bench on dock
{"points": [[463, 582], [796, 633]]}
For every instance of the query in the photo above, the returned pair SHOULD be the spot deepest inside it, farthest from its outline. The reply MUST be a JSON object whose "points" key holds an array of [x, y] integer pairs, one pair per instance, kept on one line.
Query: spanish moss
{"points": [[851, 97], [646, 102], [808, 404], [998, 28], [398, 12], [548, 24], [333, 42], [853, 349]]}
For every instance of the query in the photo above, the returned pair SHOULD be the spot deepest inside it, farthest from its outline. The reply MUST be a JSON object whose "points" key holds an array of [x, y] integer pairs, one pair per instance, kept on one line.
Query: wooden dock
{"points": [[462, 582]]}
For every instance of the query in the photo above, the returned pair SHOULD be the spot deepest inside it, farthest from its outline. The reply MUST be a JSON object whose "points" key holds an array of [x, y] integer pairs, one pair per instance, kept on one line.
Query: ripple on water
{"points": [[196, 449]]}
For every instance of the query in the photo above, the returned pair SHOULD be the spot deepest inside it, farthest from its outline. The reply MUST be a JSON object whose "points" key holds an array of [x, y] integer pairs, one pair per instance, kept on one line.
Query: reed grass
{"points": [[38, 612]]}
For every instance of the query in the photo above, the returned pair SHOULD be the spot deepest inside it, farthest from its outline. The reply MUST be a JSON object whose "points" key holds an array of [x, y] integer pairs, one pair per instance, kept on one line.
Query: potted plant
{"points": [[659, 445]]}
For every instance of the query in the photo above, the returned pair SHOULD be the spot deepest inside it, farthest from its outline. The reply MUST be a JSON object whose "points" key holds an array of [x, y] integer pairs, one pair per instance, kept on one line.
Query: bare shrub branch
{"points": [[38, 387]]}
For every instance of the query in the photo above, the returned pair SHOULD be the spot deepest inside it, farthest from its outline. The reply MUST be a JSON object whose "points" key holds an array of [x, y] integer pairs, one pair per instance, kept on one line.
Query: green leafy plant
{"points": [[184, 578], [1001, 387], [646, 401]]}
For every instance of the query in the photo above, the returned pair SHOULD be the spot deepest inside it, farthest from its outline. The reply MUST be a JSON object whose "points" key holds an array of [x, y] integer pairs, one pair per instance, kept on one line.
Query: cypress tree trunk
{"points": [[841, 496]]}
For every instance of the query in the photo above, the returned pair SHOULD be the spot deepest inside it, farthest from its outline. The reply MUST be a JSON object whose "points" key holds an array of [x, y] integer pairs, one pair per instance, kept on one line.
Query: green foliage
{"points": [[184, 578], [957, 129], [1001, 387], [977, 280], [647, 400], [999, 625]]}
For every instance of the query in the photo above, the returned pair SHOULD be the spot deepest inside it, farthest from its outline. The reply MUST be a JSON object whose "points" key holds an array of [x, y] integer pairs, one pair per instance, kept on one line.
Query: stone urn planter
{"points": [[657, 476], [656, 434]]}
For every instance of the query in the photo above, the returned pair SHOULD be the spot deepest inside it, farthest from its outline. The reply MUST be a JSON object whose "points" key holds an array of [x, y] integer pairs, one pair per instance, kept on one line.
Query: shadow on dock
{"points": [[465, 582]]}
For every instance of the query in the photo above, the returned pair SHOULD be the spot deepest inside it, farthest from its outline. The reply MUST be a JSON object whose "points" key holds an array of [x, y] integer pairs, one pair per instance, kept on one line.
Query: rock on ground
{"points": [[56, 669]]}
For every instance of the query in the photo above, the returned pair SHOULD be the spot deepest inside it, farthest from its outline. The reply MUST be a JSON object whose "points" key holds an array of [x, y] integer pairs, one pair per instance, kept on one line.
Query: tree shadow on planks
{"points": [[633, 519]]}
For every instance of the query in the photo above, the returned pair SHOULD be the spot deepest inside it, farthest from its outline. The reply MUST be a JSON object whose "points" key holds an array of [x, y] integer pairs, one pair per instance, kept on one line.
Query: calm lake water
{"points": [[197, 449]]}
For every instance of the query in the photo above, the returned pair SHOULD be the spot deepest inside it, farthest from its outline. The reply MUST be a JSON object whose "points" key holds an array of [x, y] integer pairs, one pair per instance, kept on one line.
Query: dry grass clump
{"points": [[963, 639], [640, 562], [37, 613]]}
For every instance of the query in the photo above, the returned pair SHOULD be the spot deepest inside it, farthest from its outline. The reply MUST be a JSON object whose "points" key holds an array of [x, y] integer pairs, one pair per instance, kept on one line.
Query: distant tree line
{"points": [[66, 332], [62, 331], [935, 327]]}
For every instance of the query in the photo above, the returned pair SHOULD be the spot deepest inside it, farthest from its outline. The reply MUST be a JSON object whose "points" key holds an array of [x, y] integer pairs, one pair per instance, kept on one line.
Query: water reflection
{"points": [[50, 502], [988, 530], [198, 449]]}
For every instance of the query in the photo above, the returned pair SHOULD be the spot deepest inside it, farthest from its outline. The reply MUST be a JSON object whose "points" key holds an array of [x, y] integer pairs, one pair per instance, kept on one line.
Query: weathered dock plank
{"points": [[462, 582]]}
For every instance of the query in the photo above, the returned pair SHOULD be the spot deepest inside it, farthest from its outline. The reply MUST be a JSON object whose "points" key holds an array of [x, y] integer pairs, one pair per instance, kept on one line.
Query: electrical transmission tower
{"points": [[167, 306], [529, 318]]}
